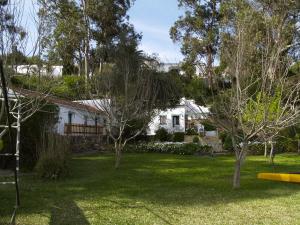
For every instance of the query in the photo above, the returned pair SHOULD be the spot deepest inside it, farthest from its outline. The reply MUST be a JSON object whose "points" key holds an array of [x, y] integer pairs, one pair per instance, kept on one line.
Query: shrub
{"points": [[208, 126], [191, 131], [162, 135], [227, 145], [178, 137], [223, 135], [196, 140], [31, 136], [53, 156]]}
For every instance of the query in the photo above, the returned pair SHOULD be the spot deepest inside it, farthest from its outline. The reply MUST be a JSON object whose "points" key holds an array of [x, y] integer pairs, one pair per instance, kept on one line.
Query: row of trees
{"points": [[94, 39], [256, 42], [82, 34]]}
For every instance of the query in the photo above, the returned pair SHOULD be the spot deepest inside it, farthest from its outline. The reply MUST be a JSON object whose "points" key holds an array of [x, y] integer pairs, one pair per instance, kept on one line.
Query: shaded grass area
{"points": [[158, 189]]}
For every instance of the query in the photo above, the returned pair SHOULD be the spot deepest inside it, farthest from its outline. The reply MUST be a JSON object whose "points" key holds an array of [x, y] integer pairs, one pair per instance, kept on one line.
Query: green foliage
{"points": [[196, 140], [69, 87], [162, 135], [31, 131], [226, 141], [179, 149], [295, 69], [178, 137], [288, 139], [223, 135], [197, 89], [70, 25], [54, 154], [198, 31], [191, 131], [263, 108], [227, 145], [208, 126]]}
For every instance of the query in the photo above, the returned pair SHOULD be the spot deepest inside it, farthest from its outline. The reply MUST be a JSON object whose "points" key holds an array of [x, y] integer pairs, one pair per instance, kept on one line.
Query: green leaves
{"points": [[264, 108]]}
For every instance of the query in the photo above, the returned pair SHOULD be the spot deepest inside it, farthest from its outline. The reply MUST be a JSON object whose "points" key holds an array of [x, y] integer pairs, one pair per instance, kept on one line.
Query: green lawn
{"points": [[158, 189]]}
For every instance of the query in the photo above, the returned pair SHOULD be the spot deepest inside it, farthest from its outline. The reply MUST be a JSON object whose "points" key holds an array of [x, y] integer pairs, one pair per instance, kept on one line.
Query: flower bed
{"points": [[171, 148]]}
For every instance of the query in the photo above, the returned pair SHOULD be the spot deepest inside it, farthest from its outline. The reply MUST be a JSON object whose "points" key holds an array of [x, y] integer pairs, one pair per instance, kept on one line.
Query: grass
{"points": [[158, 189]]}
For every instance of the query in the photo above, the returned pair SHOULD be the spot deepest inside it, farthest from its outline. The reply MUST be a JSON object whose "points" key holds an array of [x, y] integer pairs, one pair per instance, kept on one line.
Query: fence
{"points": [[83, 130]]}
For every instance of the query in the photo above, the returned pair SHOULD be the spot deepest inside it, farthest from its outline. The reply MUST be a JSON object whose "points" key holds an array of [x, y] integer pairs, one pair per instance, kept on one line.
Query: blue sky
{"points": [[153, 18]]}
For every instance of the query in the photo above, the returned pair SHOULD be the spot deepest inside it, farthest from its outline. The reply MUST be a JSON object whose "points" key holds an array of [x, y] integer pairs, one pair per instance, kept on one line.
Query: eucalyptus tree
{"points": [[198, 32], [83, 31], [12, 35]]}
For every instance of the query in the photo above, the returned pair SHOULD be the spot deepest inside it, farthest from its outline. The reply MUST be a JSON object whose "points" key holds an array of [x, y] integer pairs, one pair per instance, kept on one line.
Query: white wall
{"points": [[55, 71], [77, 118], [154, 125]]}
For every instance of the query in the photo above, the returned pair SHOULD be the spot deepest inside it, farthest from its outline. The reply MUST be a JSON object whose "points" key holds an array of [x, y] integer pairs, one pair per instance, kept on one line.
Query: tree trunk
{"points": [[266, 149], [299, 147], [209, 66], [100, 66], [272, 153], [237, 174], [118, 151], [86, 41], [239, 155]]}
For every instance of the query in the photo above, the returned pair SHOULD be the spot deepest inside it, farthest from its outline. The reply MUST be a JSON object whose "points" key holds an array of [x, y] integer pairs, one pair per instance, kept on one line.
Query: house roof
{"points": [[55, 100]]}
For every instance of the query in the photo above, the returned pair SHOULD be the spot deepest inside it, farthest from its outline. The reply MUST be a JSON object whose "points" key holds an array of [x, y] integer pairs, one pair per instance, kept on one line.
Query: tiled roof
{"points": [[55, 100]]}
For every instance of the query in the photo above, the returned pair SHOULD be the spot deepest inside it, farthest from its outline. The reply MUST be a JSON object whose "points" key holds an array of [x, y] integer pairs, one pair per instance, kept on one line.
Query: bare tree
{"points": [[128, 92], [261, 97]]}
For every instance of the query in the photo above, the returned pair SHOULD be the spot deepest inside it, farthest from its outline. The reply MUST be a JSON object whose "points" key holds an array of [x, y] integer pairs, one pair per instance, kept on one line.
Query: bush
{"points": [[53, 157], [162, 135], [191, 131], [196, 140], [223, 135], [208, 126], [178, 137], [171, 148], [228, 145], [31, 136], [257, 149]]}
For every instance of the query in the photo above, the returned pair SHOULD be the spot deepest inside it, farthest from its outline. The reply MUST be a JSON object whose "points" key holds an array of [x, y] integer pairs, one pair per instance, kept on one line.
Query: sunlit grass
{"points": [[158, 189]]}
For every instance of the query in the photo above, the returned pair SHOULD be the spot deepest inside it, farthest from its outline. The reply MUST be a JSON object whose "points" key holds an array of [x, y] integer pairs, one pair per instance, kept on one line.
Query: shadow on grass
{"points": [[67, 213], [154, 212], [188, 180], [153, 180]]}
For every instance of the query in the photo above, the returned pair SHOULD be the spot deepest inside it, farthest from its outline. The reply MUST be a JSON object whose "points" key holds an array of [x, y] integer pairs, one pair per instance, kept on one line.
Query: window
{"points": [[70, 115], [85, 120], [162, 120], [175, 120]]}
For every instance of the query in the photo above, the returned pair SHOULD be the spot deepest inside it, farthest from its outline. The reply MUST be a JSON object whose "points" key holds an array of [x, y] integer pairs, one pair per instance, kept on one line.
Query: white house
{"points": [[185, 115], [167, 67], [55, 71], [74, 118], [77, 119]]}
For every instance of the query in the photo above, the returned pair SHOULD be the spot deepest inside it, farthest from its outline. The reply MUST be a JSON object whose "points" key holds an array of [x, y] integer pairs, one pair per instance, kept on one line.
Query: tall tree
{"points": [[84, 31], [198, 32]]}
